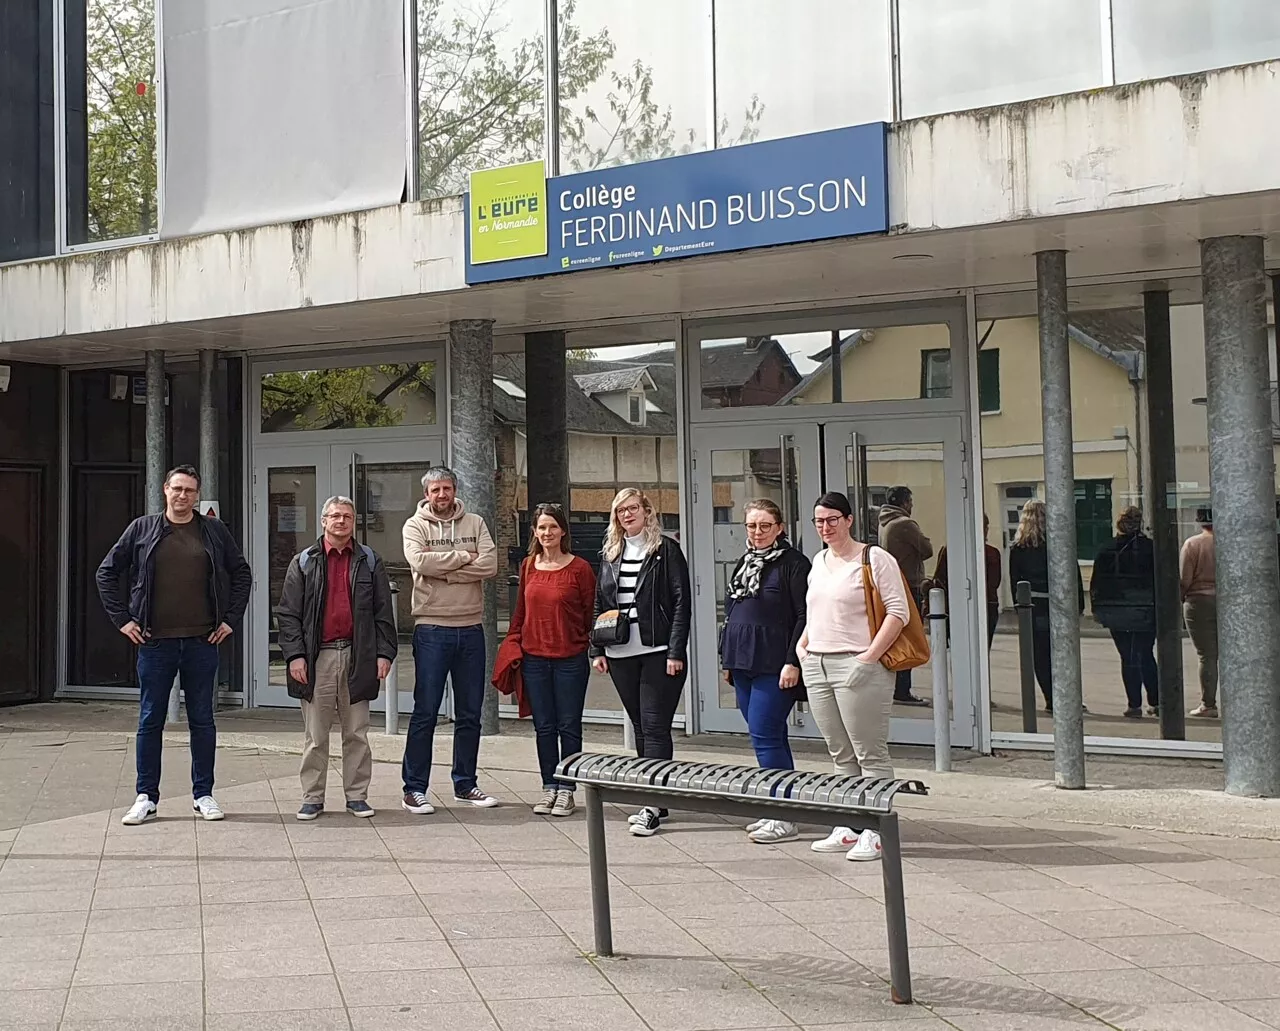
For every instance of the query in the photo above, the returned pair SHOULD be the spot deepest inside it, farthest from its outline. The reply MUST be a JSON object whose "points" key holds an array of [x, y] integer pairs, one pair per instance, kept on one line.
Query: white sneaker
{"points": [[867, 848], [841, 839], [753, 827], [142, 810], [640, 817], [546, 803], [207, 807], [774, 831]]}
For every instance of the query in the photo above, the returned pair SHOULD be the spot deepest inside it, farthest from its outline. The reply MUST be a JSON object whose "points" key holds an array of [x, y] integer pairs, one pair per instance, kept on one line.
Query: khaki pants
{"points": [[851, 702], [331, 699], [1201, 614]]}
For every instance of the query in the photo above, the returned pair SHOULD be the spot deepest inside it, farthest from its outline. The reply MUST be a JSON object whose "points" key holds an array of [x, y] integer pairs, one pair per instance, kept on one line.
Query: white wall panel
{"points": [[280, 110]]}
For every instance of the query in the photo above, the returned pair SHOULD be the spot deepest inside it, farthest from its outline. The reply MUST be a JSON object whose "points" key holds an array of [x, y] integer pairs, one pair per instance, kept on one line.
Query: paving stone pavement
{"points": [[480, 919]]}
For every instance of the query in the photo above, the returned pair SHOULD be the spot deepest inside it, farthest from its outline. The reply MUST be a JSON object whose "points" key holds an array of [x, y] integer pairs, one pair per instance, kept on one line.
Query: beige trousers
{"points": [[851, 702], [331, 699]]}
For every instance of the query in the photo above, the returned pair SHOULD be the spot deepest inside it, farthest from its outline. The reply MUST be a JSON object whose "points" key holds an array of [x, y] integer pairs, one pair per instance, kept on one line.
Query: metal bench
{"points": [[746, 791]]}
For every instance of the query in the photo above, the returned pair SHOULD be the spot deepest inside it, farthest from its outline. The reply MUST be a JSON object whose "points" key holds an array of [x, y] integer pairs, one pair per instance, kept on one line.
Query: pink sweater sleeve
{"points": [[887, 575]]}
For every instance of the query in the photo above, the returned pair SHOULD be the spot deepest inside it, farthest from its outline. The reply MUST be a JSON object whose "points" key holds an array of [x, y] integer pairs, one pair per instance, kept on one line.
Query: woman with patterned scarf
{"points": [[764, 616]]}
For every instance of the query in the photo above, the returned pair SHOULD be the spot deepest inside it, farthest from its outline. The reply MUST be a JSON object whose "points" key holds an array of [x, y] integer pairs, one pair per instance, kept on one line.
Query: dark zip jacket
{"points": [[1122, 589], [300, 617], [126, 578], [663, 598]]}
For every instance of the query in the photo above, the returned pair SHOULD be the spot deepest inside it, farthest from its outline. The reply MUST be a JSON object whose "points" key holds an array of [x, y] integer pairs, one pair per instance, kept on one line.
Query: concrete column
{"points": [[546, 428], [1163, 510], [471, 455], [157, 449], [1242, 478], [1060, 504], [551, 92], [209, 429]]}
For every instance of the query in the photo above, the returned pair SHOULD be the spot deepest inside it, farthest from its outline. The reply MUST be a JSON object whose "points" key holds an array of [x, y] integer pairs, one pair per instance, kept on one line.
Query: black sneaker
{"points": [[1133, 714], [359, 807], [645, 823], [639, 817], [912, 700], [310, 810]]}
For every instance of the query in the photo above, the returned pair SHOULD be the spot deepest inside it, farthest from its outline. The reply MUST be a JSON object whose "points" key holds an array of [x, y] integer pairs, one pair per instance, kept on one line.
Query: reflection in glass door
{"points": [[732, 465], [291, 485]]}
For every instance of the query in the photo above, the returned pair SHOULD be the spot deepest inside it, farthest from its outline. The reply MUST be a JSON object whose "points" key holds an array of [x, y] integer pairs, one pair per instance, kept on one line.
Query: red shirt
{"points": [[337, 624], [553, 611]]}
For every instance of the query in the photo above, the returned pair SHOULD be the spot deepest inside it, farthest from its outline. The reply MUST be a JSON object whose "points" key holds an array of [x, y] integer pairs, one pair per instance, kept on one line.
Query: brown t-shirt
{"points": [[180, 603]]}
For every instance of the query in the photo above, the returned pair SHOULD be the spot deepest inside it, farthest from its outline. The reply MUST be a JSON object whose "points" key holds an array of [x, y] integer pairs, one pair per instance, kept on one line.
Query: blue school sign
{"points": [[814, 187]]}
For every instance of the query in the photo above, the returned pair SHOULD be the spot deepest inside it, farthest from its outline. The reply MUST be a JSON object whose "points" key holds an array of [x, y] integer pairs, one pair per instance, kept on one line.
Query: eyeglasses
{"points": [[760, 527], [184, 490], [628, 510], [821, 521]]}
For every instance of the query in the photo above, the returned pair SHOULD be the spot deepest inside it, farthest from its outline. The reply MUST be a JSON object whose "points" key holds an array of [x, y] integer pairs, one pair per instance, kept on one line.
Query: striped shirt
{"points": [[634, 553]]}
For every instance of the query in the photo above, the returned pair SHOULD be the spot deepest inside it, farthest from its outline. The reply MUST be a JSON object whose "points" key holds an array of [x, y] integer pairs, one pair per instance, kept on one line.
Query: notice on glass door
{"points": [[291, 519]]}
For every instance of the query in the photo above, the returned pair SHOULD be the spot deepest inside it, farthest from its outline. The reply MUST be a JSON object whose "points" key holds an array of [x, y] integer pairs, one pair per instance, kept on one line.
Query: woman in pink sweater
{"points": [[850, 692]]}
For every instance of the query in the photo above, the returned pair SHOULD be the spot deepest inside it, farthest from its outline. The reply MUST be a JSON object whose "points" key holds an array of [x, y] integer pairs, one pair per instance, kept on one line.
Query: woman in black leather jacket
{"points": [[644, 580]]}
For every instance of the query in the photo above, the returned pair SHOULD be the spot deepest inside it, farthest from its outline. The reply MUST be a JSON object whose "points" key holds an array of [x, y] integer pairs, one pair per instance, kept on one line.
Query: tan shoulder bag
{"points": [[911, 649]]}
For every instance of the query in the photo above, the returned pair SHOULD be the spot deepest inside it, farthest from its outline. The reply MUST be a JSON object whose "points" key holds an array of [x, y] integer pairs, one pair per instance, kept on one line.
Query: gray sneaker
{"points": [[565, 805], [546, 803]]}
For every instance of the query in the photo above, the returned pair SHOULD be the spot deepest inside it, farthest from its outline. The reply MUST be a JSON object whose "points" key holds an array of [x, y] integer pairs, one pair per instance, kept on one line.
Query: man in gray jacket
{"points": [[338, 636], [901, 537]]}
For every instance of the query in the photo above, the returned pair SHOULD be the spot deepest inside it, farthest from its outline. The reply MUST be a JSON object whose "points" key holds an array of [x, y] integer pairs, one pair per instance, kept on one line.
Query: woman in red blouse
{"points": [[551, 624]]}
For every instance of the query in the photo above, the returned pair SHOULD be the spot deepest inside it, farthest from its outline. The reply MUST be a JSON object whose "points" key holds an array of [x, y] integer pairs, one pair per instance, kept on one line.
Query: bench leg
{"points": [[599, 862], [895, 909]]}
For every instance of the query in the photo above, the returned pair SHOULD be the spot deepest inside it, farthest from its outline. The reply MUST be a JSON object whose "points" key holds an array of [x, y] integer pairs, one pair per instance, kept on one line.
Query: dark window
{"points": [[722, 514], [989, 380], [1093, 517]]}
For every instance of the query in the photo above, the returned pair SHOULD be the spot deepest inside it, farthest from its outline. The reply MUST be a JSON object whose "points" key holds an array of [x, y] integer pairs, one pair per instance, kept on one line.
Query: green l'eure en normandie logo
{"points": [[508, 213]]}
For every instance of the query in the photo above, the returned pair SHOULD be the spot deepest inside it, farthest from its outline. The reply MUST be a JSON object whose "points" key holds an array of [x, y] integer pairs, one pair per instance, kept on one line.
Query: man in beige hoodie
{"points": [[451, 554]]}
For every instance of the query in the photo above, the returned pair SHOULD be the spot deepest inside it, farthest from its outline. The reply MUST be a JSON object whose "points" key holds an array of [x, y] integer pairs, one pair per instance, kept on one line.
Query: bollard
{"points": [[941, 691], [1026, 655], [392, 682]]}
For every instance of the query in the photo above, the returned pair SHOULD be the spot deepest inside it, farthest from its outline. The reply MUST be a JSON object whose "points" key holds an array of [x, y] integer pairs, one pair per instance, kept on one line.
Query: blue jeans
{"points": [[765, 706], [440, 652], [1138, 666], [557, 691], [195, 661]]}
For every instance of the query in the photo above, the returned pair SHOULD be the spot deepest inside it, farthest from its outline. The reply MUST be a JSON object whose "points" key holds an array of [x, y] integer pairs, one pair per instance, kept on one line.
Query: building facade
{"points": [[859, 283]]}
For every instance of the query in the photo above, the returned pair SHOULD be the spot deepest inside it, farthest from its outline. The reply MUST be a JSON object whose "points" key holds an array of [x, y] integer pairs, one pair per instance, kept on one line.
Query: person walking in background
{"points": [[175, 584], [551, 625], [1200, 609], [991, 561], [338, 638], [850, 692], [764, 616], [1029, 560], [901, 537], [451, 554], [1122, 592], [641, 628]]}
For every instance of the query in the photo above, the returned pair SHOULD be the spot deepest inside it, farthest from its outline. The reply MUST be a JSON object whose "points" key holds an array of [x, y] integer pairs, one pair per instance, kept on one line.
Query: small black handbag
{"points": [[612, 628]]}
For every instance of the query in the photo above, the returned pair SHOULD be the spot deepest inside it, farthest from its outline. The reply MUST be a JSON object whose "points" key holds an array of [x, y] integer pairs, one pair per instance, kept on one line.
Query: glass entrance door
{"points": [[290, 484], [792, 466]]}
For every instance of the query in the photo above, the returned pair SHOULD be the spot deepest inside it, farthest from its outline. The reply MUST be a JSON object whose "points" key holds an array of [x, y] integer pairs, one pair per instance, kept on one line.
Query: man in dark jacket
{"points": [[175, 584], [338, 635]]}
